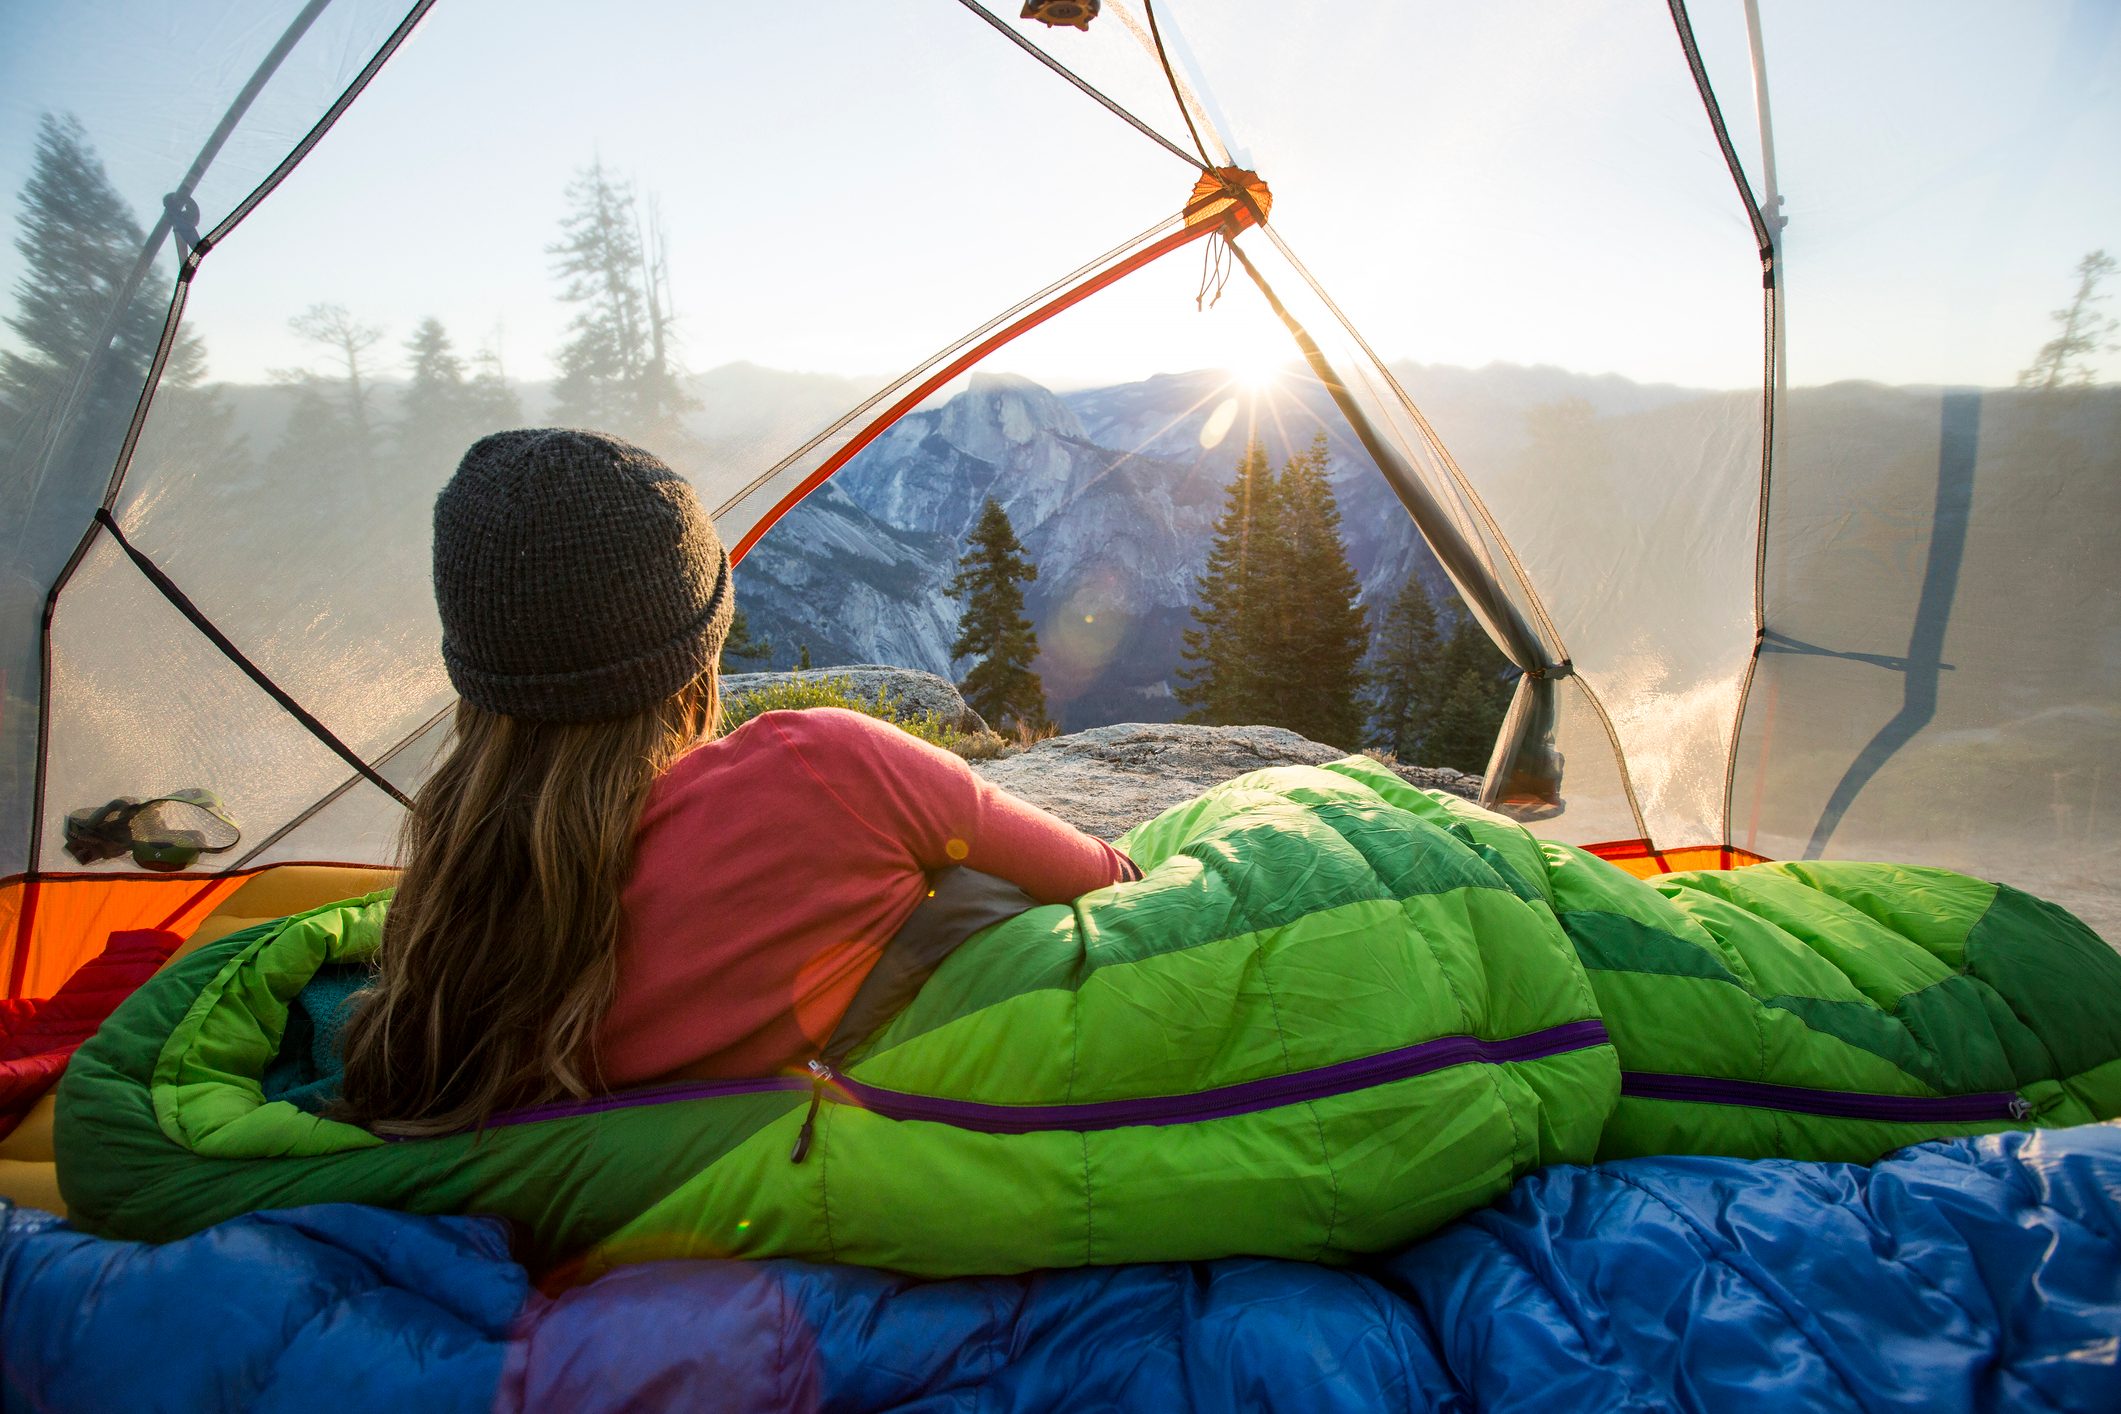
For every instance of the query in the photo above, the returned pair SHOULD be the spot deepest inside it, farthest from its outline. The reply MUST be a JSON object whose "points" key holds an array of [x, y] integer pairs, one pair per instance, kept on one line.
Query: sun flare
{"points": [[1257, 372]]}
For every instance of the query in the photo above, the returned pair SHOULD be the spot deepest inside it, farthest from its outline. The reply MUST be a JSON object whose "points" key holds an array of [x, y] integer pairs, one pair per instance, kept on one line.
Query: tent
{"points": [[1826, 575]]}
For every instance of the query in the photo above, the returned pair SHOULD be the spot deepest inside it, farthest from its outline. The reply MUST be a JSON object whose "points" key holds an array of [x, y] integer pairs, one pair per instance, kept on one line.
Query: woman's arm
{"points": [[929, 800]]}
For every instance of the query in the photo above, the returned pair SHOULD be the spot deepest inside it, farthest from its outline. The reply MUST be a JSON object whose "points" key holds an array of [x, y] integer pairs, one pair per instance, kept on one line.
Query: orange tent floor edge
{"points": [[51, 924], [1645, 861]]}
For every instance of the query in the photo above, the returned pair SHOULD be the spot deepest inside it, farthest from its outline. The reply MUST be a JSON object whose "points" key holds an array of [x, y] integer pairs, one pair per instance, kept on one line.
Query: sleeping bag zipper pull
{"points": [[819, 1074]]}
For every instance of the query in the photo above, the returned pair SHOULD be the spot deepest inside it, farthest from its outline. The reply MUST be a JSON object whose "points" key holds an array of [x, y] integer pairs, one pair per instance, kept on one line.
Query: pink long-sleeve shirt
{"points": [[772, 866]]}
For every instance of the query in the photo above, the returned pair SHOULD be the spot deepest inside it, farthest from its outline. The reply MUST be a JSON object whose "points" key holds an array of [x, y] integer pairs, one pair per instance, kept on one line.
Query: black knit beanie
{"points": [[577, 577]]}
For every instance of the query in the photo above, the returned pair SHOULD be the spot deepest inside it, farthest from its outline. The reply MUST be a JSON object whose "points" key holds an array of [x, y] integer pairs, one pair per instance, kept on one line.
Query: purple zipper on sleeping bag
{"points": [[1321, 1082], [1834, 1104], [1222, 1102]]}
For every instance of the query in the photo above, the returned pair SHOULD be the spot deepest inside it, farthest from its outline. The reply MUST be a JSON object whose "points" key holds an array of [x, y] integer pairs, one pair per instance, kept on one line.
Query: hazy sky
{"points": [[846, 187]]}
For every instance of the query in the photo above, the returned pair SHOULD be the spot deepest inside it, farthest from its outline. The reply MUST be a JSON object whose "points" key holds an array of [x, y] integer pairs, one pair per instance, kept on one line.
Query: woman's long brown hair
{"points": [[499, 955]]}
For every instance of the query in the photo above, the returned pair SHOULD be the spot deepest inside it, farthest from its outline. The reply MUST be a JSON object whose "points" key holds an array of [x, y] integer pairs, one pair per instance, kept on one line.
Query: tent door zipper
{"points": [[819, 1074]]}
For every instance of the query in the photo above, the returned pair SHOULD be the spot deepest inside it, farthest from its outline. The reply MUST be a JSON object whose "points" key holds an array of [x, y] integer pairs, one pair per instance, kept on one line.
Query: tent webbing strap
{"points": [[1763, 235], [338, 792], [182, 603], [1087, 87], [1178, 94]]}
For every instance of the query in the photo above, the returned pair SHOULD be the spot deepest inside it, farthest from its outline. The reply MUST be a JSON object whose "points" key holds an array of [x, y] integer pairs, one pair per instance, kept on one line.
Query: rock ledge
{"points": [[1108, 779]]}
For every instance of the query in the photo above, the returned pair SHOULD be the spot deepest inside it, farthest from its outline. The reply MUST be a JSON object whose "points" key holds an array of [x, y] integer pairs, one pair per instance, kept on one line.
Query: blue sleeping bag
{"points": [[1977, 1273]]}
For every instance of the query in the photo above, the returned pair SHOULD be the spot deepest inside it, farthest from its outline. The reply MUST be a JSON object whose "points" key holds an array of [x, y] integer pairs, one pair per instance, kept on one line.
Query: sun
{"points": [[1258, 371]]}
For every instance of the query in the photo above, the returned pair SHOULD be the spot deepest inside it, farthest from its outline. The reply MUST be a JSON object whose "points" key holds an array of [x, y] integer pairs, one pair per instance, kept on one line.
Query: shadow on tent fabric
{"points": [[1958, 454]]}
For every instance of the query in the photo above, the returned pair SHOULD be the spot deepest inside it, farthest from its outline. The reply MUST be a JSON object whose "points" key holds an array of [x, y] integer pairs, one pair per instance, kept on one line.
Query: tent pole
{"points": [[1766, 226], [1778, 381], [1518, 639], [1770, 189], [1770, 186], [1534, 704]]}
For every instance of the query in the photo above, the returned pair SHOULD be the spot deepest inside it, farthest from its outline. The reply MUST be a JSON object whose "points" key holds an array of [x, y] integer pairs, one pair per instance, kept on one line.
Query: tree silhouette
{"points": [[2086, 330], [1438, 696], [1237, 637], [348, 342], [990, 577], [1477, 683], [1462, 735], [1322, 632], [1279, 633], [1404, 675], [617, 368], [447, 406], [741, 645], [331, 424], [434, 396], [79, 242]]}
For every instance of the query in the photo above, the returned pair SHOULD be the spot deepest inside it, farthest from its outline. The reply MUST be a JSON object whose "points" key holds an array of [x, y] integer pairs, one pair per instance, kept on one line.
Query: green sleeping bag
{"points": [[1335, 1013]]}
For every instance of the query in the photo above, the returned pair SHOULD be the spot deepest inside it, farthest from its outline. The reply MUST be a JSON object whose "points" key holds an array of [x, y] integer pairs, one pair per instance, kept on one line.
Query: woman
{"points": [[596, 891]]}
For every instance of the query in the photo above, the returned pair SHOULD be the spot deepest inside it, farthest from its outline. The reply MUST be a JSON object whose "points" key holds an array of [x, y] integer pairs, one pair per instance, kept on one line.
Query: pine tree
{"points": [[443, 410], [434, 395], [1468, 649], [1237, 645], [79, 242], [1322, 631], [348, 343], [2086, 330], [990, 577], [740, 644], [1477, 686], [492, 403], [1463, 734], [617, 368], [331, 427], [659, 397], [193, 465], [1405, 676], [1279, 633], [317, 438]]}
